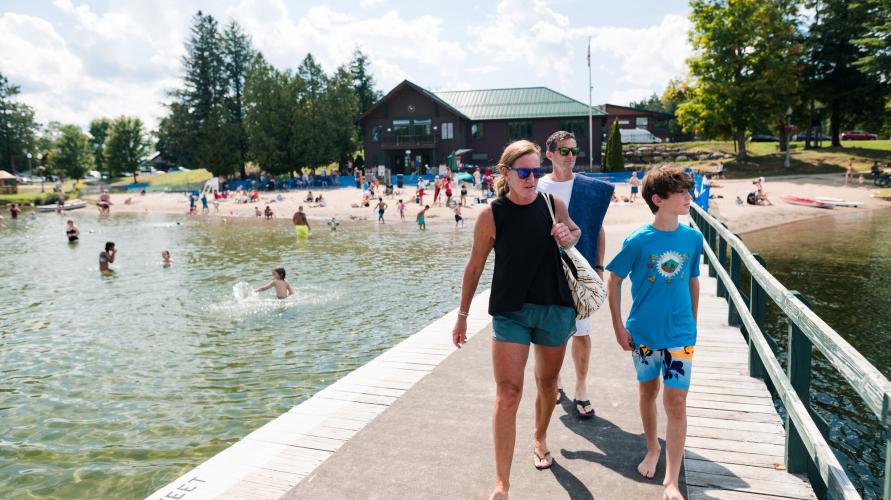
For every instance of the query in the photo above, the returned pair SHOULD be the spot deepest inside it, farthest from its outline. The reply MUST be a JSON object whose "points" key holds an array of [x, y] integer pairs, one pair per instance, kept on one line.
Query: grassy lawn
{"points": [[765, 158], [30, 193], [197, 176]]}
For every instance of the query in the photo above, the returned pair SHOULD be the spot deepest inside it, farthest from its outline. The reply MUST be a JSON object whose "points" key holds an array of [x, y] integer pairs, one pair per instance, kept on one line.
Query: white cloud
{"points": [[647, 56], [529, 35]]}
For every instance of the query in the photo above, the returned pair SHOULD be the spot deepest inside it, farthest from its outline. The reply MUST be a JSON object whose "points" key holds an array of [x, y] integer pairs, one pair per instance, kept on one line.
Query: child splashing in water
{"points": [[281, 285]]}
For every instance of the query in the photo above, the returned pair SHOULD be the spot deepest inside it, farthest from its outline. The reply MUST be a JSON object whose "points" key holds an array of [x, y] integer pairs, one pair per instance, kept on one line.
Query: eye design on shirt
{"points": [[670, 264]]}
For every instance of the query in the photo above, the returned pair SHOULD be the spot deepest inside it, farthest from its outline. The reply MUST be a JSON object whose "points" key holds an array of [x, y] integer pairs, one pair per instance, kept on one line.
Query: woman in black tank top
{"points": [[530, 301]]}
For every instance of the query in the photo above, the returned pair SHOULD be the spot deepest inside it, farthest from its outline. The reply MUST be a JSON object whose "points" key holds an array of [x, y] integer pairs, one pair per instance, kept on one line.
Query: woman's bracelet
{"points": [[599, 268], [463, 313]]}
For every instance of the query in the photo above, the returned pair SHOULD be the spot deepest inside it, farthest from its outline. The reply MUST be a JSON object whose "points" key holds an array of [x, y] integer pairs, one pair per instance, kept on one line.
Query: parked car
{"points": [[178, 169], [815, 136], [858, 135], [93, 174], [763, 138], [638, 136], [148, 170]]}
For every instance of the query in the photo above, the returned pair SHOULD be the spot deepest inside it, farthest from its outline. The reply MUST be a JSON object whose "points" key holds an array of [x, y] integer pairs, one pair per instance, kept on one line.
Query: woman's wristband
{"points": [[599, 268], [462, 313]]}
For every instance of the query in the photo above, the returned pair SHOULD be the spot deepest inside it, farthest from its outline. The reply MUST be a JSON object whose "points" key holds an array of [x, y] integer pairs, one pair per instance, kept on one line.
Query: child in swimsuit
{"points": [[72, 232], [422, 224], [281, 285], [167, 261], [401, 206], [106, 257]]}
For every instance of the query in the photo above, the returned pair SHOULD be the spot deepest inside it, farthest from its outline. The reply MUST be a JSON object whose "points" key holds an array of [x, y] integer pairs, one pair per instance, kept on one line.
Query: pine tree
{"points": [[363, 82], [312, 147], [270, 100], [614, 160], [238, 54]]}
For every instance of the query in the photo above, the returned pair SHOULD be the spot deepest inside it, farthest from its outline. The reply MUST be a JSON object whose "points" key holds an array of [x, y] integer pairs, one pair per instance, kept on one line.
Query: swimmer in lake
{"points": [[106, 257], [281, 285]]}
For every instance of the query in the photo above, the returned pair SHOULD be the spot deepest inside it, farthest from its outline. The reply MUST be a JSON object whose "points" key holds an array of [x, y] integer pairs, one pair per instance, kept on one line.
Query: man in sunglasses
{"points": [[588, 200]]}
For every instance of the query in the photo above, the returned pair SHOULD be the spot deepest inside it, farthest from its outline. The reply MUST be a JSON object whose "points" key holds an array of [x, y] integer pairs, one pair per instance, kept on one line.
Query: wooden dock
{"points": [[734, 448], [735, 439]]}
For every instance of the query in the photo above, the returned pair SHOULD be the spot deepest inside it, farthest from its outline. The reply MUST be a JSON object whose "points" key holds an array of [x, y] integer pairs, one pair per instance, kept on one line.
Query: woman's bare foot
{"points": [[499, 493], [647, 466], [672, 492]]}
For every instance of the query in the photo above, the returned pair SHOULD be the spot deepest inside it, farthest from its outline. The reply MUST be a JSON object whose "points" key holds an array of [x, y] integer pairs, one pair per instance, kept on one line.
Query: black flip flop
{"points": [[541, 459], [560, 395], [583, 404]]}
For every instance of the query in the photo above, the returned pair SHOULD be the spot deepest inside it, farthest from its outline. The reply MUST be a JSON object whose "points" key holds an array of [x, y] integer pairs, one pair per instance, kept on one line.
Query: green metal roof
{"points": [[501, 104]]}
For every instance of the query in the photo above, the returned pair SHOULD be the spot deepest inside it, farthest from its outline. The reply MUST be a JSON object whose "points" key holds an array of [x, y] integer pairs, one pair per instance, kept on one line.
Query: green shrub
{"points": [[614, 160]]}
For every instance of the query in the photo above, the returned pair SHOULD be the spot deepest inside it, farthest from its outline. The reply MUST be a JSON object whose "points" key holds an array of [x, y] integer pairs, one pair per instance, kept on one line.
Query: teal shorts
{"points": [[550, 326]]}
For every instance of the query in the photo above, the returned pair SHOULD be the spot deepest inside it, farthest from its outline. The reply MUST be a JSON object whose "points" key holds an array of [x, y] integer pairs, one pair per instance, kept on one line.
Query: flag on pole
{"points": [[589, 52]]}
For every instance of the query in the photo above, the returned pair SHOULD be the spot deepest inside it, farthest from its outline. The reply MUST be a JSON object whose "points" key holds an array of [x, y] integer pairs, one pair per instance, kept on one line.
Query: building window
{"points": [[641, 122], [423, 126], [579, 128], [624, 122], [519, 130], [448, 130], [376, 132], [401, 127], [476, 131]]}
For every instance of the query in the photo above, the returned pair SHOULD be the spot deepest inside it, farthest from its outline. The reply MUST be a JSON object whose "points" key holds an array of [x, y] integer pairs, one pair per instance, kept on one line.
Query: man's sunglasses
{"points": [[524, 173], [566, 151]]}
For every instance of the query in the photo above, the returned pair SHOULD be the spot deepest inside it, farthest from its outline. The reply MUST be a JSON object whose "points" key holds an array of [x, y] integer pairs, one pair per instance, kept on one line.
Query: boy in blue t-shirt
{"points": [[662, 259]]}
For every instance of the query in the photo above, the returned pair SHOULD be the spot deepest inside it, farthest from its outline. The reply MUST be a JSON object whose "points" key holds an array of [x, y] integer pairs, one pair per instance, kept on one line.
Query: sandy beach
{"points": [[739, 218]]}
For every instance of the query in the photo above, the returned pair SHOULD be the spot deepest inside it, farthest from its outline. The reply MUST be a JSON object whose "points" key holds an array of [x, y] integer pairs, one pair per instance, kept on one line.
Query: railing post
{"points": [[886, 420], [712, 235], [722, 261], [756, 307], [799, 370], [735, 278]]}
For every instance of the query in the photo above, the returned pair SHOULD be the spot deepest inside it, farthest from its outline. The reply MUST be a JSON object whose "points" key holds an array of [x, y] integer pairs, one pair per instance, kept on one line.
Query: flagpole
{"points": [[590, 115]]}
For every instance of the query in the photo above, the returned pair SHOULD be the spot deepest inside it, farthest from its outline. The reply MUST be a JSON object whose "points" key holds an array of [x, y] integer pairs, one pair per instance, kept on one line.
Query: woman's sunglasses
{"points": [[524, 173], [566, 151]]}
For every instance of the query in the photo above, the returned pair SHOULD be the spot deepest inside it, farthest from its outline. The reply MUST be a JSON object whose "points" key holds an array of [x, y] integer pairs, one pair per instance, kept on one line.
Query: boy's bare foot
{"points": [[647, 466], [672, 492], [499, 493]]}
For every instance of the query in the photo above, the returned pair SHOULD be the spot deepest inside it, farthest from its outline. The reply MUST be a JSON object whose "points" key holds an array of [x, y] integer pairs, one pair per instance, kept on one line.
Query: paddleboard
{"points": [[71, 205], [807, 202], [839, 202]]}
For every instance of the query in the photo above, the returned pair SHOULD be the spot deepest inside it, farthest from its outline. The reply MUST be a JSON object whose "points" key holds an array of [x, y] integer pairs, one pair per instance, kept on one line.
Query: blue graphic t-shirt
{"points": [[661, 264]]}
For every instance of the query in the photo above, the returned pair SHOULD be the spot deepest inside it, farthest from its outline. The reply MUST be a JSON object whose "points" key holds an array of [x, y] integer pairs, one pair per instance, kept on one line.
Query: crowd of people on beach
{"points": [[531, 302]]}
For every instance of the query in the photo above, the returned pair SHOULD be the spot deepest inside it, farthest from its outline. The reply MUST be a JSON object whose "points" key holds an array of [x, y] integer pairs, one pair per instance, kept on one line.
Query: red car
{"points": [[857, 135]]}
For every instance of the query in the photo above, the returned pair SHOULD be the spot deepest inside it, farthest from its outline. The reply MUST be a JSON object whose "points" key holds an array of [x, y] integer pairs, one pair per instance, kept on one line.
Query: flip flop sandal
{"points": [[583, 404], [560, 396], [542, 459]]}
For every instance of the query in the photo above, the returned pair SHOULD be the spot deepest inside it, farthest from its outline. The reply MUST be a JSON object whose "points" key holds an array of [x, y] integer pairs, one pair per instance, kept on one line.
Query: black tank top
{"points": [[527, 261]]}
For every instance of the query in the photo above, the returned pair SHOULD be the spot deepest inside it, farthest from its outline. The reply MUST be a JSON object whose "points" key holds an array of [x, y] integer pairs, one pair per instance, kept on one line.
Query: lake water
{"points": [[842, 264], [110, 387]]}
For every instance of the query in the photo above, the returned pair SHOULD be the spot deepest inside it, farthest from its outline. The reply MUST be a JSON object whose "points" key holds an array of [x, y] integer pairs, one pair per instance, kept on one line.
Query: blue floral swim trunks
{"points": [[675, 364]]}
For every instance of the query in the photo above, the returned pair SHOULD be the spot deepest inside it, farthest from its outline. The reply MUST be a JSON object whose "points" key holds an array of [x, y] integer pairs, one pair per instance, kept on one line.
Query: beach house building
{"points": [[412, 127]]}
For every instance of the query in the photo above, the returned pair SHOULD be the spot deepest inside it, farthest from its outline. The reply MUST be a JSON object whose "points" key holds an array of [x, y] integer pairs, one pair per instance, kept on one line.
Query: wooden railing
{"points": [[806, 449]]}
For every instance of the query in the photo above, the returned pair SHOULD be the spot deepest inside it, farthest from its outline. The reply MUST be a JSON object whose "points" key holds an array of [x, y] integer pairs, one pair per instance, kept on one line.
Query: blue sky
{"points": [[77, 60]]}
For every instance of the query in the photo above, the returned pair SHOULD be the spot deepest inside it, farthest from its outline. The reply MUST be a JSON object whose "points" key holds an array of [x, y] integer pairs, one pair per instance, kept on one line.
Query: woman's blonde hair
{"points": [[513, 152]]}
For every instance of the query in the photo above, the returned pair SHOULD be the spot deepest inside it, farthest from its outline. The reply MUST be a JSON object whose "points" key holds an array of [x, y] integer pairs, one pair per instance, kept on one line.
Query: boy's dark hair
{"points": [[280, 271], [109, 245], [664, 181], [560, 135]]}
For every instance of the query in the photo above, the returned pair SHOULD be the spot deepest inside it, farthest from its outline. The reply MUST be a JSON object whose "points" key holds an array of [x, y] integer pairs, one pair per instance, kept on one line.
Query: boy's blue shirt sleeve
{"points": [[623, 261], [696, 258]]}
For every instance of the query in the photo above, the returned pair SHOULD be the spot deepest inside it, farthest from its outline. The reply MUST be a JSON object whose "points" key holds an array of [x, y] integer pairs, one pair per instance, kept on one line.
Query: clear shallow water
{"points": [[842, 264], [110, 387]]}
